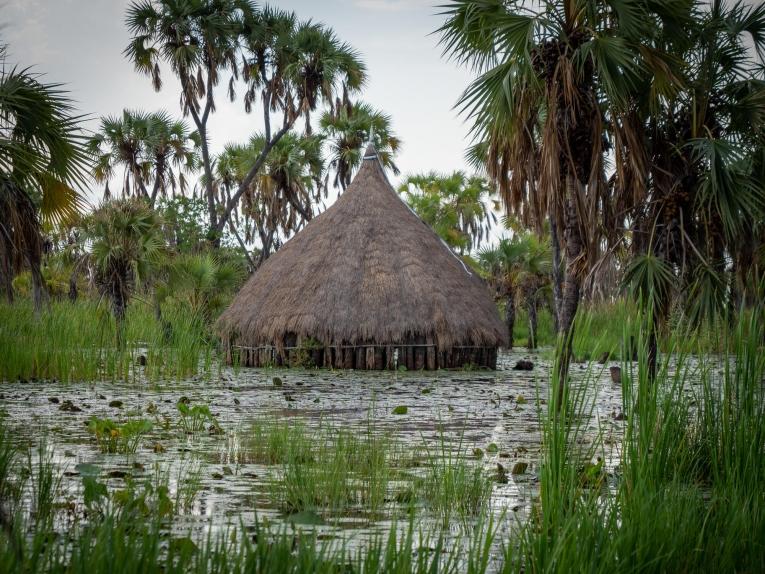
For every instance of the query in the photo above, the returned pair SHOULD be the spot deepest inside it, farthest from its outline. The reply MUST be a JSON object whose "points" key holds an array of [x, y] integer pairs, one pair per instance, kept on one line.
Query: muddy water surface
{"points": [[496, 412]]}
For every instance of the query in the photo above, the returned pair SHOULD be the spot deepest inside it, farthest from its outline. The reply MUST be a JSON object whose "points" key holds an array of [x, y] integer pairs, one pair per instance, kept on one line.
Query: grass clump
{"points": [[326, 468], [452, 486], [114, 438], [687, 495], [78, 342]]}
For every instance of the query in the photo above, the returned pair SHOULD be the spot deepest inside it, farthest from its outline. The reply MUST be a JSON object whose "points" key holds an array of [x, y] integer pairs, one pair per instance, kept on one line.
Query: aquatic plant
{"points": [[687, 493], [194, 418], [114, 438], [452, 484], [45, 482], [76, 342]]}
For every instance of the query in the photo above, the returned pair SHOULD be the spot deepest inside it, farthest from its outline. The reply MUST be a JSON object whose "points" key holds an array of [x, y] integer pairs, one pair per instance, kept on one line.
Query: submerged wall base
{"points": [[366, 357]]}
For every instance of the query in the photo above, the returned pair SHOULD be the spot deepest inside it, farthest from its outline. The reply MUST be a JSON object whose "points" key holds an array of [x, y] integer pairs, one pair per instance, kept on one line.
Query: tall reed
{"points": [[688, 494], [78, 341]]}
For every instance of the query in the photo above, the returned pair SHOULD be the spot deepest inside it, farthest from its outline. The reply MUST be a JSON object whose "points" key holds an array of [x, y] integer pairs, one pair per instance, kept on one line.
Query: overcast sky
{"points": [[80, 43]]}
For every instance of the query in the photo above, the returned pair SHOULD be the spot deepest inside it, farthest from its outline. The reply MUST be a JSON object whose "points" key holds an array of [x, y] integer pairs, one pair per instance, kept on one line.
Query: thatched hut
{"points": [[366, 285]]}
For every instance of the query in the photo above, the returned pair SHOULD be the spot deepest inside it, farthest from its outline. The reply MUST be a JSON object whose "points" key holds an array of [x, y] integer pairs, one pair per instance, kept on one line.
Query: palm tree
{"points": [[458, 207], [199, 40], [147, 146], [170, 144], [696, 234], [127, 244], [518, 269], [294, 67], [280, 198], [551, 80], [534, 278], [120, 141], [42, 163], [348, 129], [502, 265], [202, 282]]}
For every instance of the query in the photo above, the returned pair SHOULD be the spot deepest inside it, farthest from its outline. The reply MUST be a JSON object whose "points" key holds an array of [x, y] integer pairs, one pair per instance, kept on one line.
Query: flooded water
{"points": [[492, 415]]}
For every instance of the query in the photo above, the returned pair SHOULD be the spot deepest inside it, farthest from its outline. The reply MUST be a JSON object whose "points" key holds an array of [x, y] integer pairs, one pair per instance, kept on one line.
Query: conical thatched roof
{"points": [[366, 270]]}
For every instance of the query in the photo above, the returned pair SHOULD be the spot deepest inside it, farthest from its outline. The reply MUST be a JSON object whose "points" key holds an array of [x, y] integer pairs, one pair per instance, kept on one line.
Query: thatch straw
{"points": [[366, 270]]}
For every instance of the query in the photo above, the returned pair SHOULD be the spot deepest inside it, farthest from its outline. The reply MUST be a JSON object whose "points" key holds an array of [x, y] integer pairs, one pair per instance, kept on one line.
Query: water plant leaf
{"points": [[307, 517], [183, 546], [400, 410]]}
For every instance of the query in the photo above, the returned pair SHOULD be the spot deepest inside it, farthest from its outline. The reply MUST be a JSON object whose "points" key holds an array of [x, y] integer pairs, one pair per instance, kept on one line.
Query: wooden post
{"points": [[348, 358], [338, 357], [390, 357], [430, 355], [419, 353], [369, 362]]}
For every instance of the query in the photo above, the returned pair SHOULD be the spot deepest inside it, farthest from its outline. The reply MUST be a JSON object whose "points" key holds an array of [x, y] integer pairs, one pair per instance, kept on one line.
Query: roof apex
{"points": [[371, 152]]}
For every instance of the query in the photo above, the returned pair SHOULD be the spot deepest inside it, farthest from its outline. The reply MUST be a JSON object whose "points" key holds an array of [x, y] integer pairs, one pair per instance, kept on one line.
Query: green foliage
{"points": [[127, 244], [460, 209], [348, 129], [288, 183], [148, 146], [203, 283], [183, 222], [76, 342], [114, 438], [452, 485], [328, 469], [687, 492], [42, 152], [46, 482], [519, 264], [194, 418]]}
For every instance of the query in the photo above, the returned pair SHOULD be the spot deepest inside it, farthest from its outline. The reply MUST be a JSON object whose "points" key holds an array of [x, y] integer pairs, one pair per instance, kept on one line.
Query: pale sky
{"points": [[80, 43]]}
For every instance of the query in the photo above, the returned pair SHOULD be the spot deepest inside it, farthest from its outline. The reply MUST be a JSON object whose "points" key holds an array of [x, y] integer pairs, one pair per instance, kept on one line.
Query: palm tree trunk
{"points": [[510, 318], [39, 293], [531, 304], [266, 241], [158, 171], [6, 268], [119, 304], [557, 275], [210, 192], [241, 244], [572, 284], [215, 229]]}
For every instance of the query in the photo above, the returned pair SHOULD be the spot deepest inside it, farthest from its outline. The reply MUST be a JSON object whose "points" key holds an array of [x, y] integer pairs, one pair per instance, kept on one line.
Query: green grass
{"points": [[129, 531], [689, 493], [326, 468], [452, 485], [602, 328], [78, 342]]}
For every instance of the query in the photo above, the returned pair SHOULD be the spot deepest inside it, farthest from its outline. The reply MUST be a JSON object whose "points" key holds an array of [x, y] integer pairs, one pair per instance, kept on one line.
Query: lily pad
{"points": [[307, 517], [182, 546], [401, 410]]}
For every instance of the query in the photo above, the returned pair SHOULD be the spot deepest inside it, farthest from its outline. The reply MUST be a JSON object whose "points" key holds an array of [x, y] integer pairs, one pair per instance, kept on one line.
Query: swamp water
{"points": [[237, 466]]}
